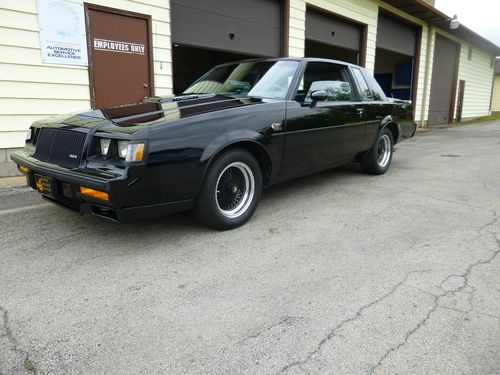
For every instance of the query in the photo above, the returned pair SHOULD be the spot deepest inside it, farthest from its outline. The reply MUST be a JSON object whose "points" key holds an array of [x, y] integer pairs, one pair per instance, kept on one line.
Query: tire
{"points": [[378, 159], [231, 190]]}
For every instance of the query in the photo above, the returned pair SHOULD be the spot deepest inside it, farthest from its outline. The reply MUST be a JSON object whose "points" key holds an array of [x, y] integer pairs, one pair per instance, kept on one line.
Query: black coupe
{"points": [[239, 128]]}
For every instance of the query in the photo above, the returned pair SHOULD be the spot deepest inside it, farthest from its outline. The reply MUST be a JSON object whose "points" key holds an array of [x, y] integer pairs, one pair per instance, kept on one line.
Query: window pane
{"points": [[263, 79], [366, 93], [331, 78]]}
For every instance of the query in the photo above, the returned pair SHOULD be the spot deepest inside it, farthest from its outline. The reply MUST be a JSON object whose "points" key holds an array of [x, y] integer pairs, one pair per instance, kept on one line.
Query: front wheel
{"points": [[378, 159], [231, 190]]}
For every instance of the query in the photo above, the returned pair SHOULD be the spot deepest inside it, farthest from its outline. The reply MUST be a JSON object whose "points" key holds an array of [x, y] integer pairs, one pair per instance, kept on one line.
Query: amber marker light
{"points": [[94, 193], [23, 169], [138, 151], [39, 184]]}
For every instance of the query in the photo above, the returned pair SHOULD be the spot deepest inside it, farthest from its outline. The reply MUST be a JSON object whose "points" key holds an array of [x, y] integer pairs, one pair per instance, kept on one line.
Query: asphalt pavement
{"points": [[336, 273]]}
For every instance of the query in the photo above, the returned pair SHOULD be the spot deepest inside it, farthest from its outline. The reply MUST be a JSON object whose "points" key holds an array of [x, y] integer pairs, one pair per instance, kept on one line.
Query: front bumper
{"points": [[65, 191]]}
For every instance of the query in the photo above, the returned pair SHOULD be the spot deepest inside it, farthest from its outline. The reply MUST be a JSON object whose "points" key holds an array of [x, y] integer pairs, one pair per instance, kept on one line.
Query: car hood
{"points": [[133, 117]]}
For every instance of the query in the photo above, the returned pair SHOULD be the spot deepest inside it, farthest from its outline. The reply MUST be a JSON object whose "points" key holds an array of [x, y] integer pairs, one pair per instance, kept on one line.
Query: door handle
{"points": [[145, 85], [360, 111]]}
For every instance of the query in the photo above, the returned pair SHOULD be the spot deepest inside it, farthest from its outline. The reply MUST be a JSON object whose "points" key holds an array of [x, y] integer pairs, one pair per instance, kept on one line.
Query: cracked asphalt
{"points": [[337, 273]]}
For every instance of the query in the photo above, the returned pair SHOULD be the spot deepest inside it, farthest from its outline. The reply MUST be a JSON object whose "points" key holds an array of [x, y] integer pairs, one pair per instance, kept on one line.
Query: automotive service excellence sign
{"points": [[63, 38]]}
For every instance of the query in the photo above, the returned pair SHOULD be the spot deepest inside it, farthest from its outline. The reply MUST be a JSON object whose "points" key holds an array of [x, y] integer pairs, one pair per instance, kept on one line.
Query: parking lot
{"points": [[337, 273]]}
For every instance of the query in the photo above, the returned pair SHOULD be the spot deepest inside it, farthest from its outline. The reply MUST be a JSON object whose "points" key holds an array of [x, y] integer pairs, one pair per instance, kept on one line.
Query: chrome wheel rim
{"points": [[234, 190], [384, 150]]}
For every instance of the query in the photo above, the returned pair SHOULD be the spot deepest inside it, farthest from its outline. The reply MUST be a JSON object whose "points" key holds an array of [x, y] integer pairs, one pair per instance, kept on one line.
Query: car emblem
{"points": [[276, 126]]}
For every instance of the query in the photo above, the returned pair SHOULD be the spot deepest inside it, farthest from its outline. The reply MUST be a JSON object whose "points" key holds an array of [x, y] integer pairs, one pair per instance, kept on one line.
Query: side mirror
{"points": [[318, 96]]}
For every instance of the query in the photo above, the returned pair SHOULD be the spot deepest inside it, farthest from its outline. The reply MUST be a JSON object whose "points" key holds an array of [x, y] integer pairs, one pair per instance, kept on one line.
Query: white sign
{"points": [[117, 46], [63, 38]]}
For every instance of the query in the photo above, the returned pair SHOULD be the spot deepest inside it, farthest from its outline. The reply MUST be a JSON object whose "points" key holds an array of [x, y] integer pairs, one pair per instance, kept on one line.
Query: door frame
{"points": [[416, 56], [452, 117], [121, 12]]}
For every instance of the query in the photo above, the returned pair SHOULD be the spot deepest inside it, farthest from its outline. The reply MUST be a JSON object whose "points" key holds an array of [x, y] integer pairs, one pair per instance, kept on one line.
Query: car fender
{"points": [[386, 121], [226, 140]]}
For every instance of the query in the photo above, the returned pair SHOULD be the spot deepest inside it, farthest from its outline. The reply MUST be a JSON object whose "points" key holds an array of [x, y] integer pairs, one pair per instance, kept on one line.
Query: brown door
{"points": [[120, 57], [444, 80], [460, 100]]}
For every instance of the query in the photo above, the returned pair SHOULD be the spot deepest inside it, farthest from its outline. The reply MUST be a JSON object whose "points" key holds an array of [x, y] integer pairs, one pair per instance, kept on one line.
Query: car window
{"points": [[334, 79], [261, 79], [377, 92], [366, 93]]}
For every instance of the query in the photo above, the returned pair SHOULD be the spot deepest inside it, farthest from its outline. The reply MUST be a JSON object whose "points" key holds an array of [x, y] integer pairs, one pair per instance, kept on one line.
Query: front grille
{"points": [[60, 146]]}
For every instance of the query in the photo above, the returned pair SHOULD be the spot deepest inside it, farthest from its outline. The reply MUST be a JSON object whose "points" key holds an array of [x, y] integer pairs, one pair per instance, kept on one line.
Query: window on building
{"points": [[469, 56]]}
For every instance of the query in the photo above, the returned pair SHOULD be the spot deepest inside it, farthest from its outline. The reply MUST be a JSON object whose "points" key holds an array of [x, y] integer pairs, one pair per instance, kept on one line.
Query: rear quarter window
{"points": [[370, 90]]}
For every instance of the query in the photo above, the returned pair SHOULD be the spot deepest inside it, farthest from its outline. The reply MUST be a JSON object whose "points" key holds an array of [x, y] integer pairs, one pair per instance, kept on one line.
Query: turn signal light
{"points": [[94, 193], [23, 169]]}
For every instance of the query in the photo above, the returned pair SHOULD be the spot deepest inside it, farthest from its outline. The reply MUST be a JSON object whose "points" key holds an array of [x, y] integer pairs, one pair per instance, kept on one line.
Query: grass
{"points": [[482, 119], [30, 366]]}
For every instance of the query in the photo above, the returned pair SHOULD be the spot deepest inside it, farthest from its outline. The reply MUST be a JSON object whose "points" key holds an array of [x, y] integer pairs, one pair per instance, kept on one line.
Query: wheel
{"points": [[231, 190], [378, 159]]}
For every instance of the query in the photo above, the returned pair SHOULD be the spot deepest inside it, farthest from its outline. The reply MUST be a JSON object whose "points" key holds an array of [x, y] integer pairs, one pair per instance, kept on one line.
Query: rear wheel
{"points": [[378, 159], [231, 190]]}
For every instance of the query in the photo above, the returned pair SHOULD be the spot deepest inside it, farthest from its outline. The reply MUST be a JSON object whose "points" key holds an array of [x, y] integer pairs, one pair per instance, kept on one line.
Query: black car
{"points": [[239, 128]]}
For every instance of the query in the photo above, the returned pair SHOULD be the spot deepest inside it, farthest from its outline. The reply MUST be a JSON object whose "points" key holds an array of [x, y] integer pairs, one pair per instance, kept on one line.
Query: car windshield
{"points": [[259, 79]]}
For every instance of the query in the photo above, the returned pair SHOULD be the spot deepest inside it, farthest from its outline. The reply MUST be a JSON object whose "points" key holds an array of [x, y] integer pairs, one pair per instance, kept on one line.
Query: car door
{"points": [[322, 134], [375, 104]]}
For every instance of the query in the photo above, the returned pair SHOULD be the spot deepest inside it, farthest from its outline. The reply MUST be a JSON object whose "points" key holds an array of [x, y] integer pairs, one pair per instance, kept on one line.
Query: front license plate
{"points": [[43, 184]]}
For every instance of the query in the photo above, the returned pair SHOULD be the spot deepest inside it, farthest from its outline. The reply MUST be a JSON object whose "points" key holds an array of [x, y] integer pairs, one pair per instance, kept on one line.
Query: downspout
{"points": [[426, 79]]}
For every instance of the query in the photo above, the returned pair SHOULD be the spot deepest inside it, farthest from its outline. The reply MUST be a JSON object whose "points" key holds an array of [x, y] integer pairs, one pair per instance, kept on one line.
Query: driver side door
{"points": [[323, 134]]}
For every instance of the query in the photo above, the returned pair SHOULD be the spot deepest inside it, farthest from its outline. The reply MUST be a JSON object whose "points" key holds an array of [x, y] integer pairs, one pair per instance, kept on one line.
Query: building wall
{"points": [[297, 27], [30, 90], [478, 76], [495, 102]]}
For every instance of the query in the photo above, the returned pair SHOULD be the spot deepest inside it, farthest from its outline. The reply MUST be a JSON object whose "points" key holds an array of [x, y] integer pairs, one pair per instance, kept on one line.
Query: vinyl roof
{"points": [[426, 12]]}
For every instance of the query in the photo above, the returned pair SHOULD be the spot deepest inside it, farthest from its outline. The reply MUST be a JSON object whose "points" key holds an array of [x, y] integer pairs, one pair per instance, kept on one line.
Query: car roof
{"points": [[306, 59]]}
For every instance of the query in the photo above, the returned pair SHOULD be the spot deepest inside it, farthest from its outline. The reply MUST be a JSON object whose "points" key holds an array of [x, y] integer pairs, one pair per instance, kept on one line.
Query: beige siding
{"points": [[478, 76], [495, 102], [297, 28], [426, 70], [30, 89]]}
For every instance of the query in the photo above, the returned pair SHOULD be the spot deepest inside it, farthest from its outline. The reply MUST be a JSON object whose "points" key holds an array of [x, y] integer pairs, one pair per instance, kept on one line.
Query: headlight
{"points": [[130, 151], [105, 145], [29, 134]]}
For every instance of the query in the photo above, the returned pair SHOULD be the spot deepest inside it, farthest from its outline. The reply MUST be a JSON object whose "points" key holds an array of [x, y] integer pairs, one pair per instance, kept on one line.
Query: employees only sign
{"points": [[62, 32]]}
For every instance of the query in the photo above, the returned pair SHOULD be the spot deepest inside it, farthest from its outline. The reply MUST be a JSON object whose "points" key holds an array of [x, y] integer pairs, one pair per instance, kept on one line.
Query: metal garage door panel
{"points": [[320, 26], [443, 80], [255, 25], [396, 36]]}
